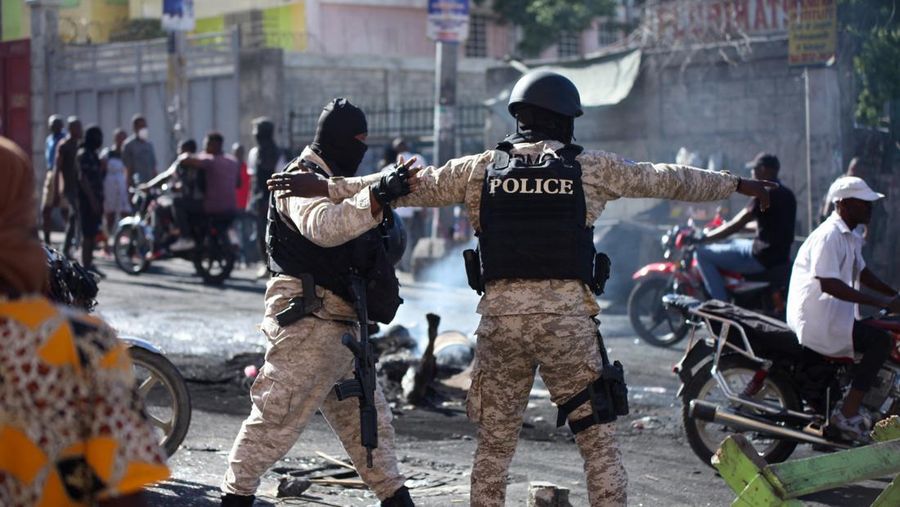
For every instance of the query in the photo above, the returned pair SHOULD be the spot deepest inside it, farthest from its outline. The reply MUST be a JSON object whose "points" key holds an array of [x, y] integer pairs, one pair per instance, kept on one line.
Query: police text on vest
{"points": [[530, 186]]}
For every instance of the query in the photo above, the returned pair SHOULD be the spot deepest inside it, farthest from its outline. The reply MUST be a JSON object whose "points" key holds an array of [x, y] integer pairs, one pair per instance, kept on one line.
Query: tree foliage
{"points": [[874, 28], [542, 21]]}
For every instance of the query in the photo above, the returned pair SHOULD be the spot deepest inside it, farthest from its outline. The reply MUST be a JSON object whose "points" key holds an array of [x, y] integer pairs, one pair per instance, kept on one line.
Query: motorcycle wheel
{"points": [[214, 260], [129, 249], [705, 437], [653, 322], [166, 398]]}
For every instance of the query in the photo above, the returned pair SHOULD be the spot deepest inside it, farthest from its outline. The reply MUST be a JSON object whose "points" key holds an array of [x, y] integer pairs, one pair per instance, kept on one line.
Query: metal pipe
{"points": [[764, 407], [710, 412]]}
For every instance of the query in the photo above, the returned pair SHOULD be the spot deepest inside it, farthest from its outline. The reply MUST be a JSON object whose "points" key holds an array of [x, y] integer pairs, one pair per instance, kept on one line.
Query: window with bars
{"points": [[569, 45], [476, 44]]}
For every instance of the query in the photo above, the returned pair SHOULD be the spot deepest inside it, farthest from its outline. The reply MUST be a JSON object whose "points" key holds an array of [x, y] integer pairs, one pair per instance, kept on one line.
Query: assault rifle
{"points": [[362, 386]]}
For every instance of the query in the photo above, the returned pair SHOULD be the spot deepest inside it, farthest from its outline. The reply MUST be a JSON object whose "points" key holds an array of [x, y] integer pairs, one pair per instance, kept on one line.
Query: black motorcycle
{"points": [[751, 376], [138, 241], [166, 398]]}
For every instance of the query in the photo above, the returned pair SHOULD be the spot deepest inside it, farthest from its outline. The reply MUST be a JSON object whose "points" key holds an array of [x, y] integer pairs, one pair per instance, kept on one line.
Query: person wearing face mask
{"points": [[138, 154], [312, 251], [90, 194]]}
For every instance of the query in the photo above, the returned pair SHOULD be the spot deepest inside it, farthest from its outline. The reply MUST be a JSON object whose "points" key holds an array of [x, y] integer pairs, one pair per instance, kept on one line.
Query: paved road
{"points": [[209, 332]]}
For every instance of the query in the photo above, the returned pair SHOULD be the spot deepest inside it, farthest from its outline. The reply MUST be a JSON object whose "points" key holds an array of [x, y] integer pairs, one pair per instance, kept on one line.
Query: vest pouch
{"points": [[473, 270]]}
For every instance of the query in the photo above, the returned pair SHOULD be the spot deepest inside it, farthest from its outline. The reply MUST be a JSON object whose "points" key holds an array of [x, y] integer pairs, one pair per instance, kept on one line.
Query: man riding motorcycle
{"points": [[770, 248], [186, 197], [824, 294]]}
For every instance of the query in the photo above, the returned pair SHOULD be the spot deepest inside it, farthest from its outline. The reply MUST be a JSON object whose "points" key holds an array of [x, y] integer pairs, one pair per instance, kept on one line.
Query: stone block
{"points": [[545, 494]]}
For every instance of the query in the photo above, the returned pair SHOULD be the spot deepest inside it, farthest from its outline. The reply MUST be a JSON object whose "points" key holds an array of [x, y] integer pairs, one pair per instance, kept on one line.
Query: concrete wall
{"points": [[261, 87]]}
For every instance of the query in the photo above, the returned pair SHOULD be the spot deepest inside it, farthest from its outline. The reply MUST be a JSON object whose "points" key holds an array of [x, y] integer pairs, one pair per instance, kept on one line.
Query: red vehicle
{"points": [[678, 274]]}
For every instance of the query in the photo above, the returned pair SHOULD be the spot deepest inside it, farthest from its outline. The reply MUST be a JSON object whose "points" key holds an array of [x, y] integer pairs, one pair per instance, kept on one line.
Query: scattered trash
{"points": [[292, 486], [646, 423]]}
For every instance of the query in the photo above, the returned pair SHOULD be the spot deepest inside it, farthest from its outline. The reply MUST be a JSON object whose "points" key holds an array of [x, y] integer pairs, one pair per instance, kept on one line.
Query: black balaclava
{"points": [[535, 123], [339, 124], [93, 138]]}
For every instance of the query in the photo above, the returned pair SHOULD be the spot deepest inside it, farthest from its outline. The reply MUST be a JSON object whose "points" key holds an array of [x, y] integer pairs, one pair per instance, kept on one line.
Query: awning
{"points": [[602, 81]]}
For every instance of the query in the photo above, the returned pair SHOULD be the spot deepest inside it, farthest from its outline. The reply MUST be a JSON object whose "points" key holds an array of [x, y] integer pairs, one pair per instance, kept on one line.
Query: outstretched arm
{"points": [[430, 186], [612, 177]]}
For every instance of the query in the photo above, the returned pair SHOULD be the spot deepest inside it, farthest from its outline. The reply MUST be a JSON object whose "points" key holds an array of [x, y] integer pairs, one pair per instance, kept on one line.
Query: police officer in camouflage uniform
{"points": [[533, 202], [313, 245]]}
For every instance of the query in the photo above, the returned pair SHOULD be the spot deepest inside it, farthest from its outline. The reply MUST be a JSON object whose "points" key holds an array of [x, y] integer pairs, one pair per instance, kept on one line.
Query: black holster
{"points": [[602, 266], [608, 396], [472, 261], [300, 307]]}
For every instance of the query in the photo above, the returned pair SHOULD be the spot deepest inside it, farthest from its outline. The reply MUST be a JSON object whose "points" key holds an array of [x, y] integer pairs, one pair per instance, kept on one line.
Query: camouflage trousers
{"points": [[303, 362], [510, 349]]}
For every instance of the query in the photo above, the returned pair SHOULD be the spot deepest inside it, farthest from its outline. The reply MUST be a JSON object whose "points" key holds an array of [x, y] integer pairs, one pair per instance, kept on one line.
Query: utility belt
{"points": [[608, 396], [474, 273]]}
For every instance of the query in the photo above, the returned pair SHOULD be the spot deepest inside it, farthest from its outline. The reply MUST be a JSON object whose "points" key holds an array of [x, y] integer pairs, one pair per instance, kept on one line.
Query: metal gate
{"points": [[413, 120], [15, 92], [107, 84]]}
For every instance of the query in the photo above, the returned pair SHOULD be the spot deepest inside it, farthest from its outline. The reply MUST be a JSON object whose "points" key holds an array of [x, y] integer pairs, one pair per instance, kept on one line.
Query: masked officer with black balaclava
{"points": [[533, 201], [262, 161], [312, 249]]}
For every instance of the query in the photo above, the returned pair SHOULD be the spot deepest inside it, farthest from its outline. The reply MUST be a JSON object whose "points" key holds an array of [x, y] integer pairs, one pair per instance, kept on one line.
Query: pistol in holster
{"points": [[602, 266], [301, 306], [472, 260]]}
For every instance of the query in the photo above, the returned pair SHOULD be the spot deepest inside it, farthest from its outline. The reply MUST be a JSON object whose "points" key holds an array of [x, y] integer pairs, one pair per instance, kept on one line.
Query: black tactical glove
{"points": [[393, 184]]}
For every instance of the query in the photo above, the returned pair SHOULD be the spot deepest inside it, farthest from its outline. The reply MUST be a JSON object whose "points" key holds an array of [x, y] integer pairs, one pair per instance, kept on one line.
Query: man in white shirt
{"points": [[824, 294]]}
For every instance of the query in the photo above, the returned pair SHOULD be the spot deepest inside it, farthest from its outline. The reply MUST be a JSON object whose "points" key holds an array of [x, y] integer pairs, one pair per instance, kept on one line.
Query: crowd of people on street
{"points": [[93, 186], [532, 201]]}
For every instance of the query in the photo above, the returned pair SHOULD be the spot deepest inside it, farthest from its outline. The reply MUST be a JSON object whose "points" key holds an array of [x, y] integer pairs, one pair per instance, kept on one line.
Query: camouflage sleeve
{"points": [[608, 176], [444, 185], [440, 186], [326, 223], [340, 188]]}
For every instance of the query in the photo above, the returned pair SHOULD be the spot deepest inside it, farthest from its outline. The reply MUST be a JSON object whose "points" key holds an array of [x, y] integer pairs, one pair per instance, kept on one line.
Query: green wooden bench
{"points": [[759, 484]]}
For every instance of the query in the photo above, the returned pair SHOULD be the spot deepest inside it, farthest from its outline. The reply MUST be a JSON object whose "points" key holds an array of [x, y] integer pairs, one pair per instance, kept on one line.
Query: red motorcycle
{"points": [[678, 274]]}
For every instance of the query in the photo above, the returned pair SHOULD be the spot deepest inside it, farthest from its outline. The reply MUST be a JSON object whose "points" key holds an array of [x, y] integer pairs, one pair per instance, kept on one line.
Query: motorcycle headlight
{"points": [[664, 242]]}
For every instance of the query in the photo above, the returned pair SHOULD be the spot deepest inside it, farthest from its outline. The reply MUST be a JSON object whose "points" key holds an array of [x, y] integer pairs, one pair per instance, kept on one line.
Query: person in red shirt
{"points": [[243, 191]]}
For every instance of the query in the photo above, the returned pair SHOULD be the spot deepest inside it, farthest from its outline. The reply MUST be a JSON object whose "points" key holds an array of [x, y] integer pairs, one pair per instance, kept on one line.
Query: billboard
{"points": [[448, 20], [178, 15], [812, 31]]}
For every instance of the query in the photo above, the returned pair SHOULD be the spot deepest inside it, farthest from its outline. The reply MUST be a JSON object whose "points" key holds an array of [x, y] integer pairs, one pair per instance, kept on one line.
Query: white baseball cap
{"points": [[852, 187]]}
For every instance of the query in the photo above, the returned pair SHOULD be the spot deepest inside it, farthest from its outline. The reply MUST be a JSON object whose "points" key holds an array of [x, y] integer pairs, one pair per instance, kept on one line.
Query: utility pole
{"points": [[446, 54], [177, 20], [44, 45], [448, 25], [176, 86]]}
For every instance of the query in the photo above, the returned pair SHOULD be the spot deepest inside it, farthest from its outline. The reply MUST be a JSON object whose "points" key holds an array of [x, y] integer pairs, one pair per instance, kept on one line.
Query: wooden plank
{"points": [[335, 461], [737, 462], [759, 493], [887, 429], [347, 483], [890, 497], [810, 475]]}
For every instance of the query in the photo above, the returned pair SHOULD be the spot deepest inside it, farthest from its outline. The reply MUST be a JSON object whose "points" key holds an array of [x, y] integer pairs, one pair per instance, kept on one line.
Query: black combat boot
{"points": [[230, 500], [400, 498]]}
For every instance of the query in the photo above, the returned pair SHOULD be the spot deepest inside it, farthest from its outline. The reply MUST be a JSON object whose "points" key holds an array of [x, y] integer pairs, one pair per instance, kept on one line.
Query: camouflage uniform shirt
{"points": [[605, 177]]}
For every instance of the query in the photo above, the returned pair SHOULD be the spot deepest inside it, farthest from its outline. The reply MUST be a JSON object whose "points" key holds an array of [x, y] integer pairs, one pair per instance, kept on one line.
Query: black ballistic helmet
{"points": [[547, 90], [395, 239]]}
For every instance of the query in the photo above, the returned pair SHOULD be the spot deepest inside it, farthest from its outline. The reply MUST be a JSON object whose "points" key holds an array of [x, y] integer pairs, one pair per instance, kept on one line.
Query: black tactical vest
{"points": [[292, 254], [533, 218]]}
